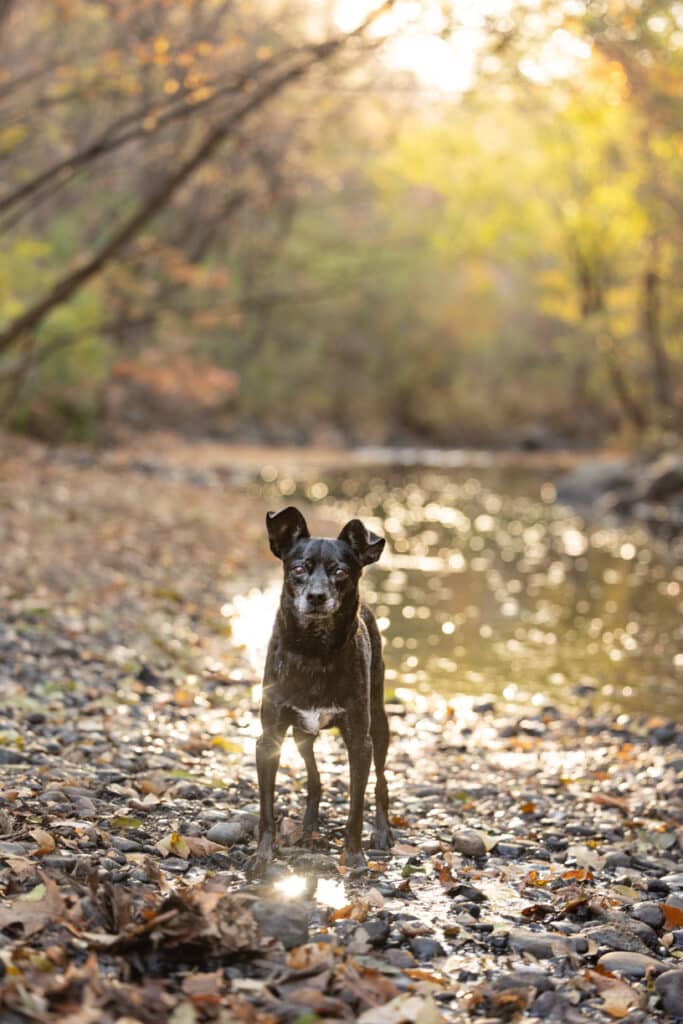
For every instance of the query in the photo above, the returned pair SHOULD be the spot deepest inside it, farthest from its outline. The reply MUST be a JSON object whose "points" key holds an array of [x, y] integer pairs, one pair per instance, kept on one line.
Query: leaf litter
{"points": [[128, 805]]}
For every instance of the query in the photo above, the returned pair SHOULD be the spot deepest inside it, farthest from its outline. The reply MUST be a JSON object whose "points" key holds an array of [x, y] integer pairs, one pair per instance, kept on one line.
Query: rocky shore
{"points": [[537, 872]]}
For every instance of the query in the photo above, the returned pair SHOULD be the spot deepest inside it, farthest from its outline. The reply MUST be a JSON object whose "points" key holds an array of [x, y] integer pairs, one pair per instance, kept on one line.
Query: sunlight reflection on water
{"points": [[488, 588]]}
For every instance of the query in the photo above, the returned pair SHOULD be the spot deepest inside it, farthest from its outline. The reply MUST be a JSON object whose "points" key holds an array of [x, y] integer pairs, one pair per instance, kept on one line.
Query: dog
{"points": [[324, 668]]}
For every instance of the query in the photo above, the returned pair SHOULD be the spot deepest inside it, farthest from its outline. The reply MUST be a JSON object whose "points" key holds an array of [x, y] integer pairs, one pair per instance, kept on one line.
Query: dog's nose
{"points": [[317, 597]]}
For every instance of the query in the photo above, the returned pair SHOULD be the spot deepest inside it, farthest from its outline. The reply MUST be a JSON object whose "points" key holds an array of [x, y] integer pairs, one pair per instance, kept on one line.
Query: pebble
{"points": [[189, 791], [227, 832], [377, 932], [618, 859], [8, 756], [525, 977], [469, 843], [287, 922], [542, 945], [632, 965], [616, 937], [649, 913], [426, 949], [670, 988]]}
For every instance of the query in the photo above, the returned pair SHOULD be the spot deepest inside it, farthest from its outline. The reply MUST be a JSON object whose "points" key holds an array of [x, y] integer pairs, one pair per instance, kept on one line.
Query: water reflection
{"points": [[488, 587]]}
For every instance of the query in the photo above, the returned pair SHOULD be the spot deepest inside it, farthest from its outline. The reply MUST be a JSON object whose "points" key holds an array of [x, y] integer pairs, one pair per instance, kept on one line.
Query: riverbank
{"points": [[538, 865]]}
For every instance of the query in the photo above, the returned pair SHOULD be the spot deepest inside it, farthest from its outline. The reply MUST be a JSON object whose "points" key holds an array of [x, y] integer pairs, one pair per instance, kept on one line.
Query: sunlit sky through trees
{"points": [[440, 41]]}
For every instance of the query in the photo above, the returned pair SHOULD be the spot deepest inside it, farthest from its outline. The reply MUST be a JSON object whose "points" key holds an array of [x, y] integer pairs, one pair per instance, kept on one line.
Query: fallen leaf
{"points": [[673, 916], [35, 909], [201, 847], [174, 844], [578, 875], [313, 954], [610, 801], [357, 911], [404, 1009], [585, 857], [618, 998], [46, 843]]}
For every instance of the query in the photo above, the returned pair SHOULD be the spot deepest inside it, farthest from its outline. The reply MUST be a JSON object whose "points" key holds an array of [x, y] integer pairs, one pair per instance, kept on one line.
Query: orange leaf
{"points": [[673, 916], [46, 843], [610, 801], [579, 875]]}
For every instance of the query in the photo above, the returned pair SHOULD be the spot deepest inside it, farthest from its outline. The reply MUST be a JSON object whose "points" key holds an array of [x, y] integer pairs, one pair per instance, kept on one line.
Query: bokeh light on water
{"points": [[489, 588]]}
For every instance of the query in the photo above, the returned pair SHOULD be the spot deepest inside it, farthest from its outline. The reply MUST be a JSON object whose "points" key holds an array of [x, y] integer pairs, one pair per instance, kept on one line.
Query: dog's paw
{"points": [[258, 865], [381, 839], [355, 861]]}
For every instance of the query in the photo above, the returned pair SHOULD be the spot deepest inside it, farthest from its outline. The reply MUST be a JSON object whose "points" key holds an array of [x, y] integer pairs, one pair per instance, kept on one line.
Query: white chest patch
{"points": [[312, 720]]}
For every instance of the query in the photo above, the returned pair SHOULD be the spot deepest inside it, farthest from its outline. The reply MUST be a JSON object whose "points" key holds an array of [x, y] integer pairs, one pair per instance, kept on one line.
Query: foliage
{"points": [[390, 264]]}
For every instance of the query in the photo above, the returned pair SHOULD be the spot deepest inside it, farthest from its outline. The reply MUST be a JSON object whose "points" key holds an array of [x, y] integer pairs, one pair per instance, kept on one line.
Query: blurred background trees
{"points": [[247, 217]]}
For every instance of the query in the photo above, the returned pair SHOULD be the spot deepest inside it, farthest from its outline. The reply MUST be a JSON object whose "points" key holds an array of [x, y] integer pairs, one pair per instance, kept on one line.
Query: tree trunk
{"points": [[652, 330]]}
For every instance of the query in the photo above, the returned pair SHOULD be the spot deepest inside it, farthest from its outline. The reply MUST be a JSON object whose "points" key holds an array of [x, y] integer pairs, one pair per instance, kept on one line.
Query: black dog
{"points": [[324, 668]]}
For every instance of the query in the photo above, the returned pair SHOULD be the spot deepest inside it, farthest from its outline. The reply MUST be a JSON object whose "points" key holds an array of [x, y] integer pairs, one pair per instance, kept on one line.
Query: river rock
{"points": [[649, 912], [426, 949], [632, 965], [469, 843], [227, 832], [287, 922], [525, 977], [670, 988], [616, 937], [542, 945]]}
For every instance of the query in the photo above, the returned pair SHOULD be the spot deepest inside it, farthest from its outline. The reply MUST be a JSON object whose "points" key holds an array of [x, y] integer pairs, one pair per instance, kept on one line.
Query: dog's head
{"points": [[321, 575]]}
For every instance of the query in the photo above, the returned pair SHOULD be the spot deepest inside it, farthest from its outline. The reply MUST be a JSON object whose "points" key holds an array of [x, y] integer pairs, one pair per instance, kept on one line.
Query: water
{"points": [[489, 588]]}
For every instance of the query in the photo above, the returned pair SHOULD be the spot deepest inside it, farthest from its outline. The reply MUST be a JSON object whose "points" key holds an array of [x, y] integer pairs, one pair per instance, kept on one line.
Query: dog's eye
{"points": [[340, 574], [298, 571]]}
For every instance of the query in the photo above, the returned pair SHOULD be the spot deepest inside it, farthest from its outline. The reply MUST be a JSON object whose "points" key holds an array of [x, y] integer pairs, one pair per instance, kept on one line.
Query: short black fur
{"points": [[324, 668]]}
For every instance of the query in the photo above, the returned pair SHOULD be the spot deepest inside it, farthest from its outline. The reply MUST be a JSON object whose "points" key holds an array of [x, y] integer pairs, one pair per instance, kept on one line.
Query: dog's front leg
{"points": [[356, 735], [267, 760]]}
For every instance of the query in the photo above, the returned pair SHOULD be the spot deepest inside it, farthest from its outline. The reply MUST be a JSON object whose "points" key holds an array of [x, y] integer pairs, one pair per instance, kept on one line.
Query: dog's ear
{"points": [[285, 529], [366, 546]]}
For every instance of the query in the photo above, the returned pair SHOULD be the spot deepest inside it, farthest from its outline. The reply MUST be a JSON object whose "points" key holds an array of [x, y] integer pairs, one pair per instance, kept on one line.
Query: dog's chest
{"points": [[312, 720]]}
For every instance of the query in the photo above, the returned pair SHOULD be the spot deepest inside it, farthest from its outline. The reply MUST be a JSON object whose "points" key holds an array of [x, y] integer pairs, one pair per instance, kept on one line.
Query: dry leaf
{"points": [[36, 908], [673, 916], [46, 843]]}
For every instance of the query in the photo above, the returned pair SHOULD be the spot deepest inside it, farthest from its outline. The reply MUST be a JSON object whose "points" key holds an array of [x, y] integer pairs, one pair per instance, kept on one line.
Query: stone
{"points": [[618, 859], [286, 921], [8, 756], [546, 1003], [542, 945], [377, 932], [469, 843], [670, 989], [525, 977], [649, 912], [616, 936], [631, 965], [426, 949], [227, 832]]}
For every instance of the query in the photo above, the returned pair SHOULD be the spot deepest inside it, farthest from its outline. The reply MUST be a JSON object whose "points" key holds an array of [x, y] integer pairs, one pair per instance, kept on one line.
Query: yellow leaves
{"points": [[171, 86], [229, 746], [174, 844], [11, 137]]}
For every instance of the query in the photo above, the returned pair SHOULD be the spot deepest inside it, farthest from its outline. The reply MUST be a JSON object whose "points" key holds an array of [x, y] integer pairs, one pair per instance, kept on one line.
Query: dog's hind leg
{"points": [[304, 742], [379, 733]]}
